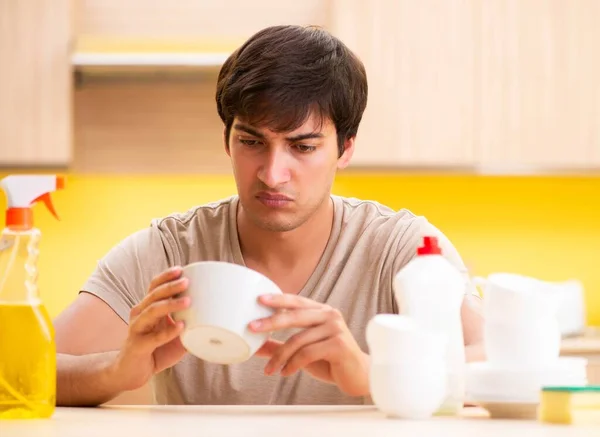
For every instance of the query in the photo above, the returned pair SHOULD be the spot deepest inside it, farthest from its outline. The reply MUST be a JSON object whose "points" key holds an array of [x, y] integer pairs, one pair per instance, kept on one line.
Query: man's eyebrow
{"points": [[292, 139], [307, 136], [249, 130]]}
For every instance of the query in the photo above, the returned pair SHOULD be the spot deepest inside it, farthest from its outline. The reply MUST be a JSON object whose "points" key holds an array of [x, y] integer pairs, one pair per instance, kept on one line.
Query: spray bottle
{"points": [[27, 344]]}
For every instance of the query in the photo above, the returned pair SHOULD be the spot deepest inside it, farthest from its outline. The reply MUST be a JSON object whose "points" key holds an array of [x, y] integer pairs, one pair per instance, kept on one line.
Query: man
{"points": [[291, 100]]}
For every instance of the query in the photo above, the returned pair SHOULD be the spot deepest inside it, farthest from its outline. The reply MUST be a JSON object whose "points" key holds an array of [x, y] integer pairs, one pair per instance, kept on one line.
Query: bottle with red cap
{"points": [[430, 290], [27, 345]]}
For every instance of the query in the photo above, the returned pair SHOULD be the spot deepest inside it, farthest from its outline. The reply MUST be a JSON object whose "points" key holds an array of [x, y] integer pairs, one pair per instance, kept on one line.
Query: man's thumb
{"points": [[268, 349]]}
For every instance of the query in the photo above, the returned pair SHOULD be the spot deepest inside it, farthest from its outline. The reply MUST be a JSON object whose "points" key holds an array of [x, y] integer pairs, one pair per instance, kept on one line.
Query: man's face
{"points": [[284, 178]]}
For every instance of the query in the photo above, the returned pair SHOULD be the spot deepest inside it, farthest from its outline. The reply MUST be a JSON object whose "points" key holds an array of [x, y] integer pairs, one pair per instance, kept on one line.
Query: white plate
{"points": [[484, 381]]}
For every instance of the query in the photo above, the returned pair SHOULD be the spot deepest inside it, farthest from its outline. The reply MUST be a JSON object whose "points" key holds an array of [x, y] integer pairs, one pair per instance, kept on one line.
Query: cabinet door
{"points": [[540, 84], [419, 57], [35, 83], [217, 23]]}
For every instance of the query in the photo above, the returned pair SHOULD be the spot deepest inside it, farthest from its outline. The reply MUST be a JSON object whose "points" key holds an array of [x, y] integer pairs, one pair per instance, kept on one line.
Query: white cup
{"points": [[529, 344], [413, 389], [408, 371], [520, 325], [224, 300], [508, 296], [393, 337]]}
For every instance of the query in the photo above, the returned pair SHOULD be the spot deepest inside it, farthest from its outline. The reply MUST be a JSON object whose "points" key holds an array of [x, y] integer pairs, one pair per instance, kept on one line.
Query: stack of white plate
{"points": [[492, 385]]}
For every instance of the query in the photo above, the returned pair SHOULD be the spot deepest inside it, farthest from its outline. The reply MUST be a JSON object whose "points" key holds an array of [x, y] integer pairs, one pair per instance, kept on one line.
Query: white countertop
{"points": [[266, 421]]}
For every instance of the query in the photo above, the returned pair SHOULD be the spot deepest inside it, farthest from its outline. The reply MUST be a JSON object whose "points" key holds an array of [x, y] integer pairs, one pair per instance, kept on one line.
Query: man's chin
{"points": [[278, 227], [274, 225], [273, 221]]}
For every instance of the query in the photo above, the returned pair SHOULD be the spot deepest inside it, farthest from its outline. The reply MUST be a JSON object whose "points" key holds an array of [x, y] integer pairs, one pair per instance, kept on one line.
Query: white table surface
{"points": [[266, 421]]}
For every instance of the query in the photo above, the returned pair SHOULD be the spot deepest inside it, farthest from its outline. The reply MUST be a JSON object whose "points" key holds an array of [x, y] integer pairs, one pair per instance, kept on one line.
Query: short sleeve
{"points": [[121, 278]]}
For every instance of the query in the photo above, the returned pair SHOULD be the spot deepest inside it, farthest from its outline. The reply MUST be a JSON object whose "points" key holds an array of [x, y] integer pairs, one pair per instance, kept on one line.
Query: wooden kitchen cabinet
{"points": [[500, 85], [539, 89], [420, 61], [219, 21], [35, 83], [162, 122]]}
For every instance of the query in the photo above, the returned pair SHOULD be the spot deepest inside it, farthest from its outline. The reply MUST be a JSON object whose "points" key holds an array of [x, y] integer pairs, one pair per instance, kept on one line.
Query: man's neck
{"points": [[286, 249]]}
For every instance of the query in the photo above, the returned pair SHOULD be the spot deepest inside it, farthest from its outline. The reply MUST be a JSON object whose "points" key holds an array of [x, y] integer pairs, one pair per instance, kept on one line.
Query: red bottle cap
{"points": [[430, 247]]}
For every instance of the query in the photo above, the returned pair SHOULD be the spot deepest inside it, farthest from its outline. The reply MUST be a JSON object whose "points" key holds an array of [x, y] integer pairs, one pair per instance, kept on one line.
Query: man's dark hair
{"points": [[283, 73]]}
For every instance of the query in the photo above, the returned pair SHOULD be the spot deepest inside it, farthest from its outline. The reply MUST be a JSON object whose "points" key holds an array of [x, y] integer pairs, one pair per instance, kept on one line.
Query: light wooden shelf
{"points": [[124, 52], [133, 59]]}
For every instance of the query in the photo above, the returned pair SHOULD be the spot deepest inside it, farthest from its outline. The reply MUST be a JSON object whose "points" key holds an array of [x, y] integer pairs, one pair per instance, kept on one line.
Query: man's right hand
{"points": [[153, 343]]}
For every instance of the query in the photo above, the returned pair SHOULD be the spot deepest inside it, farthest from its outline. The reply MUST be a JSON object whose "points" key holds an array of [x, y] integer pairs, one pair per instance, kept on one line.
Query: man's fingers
{"points": [[288, 301], [268, 349], [164, 291], [166, 276], [282, 354], [300, 318], [158, 310], [167, 334], [169, 353], [167, 290], [305, 357], [304, 318]]}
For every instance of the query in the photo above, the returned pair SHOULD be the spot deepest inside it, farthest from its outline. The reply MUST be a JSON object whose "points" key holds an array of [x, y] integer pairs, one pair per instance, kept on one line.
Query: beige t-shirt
{"points": [[369, 244]]}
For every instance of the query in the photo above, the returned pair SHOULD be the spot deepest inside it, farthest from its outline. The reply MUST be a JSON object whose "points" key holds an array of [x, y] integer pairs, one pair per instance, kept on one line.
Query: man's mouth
{"points": [[273, 200]]}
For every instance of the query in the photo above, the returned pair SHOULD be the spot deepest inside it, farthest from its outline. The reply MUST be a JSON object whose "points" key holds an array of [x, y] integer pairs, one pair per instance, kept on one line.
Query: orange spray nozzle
{"points": [[23, 191], [48, 202]]}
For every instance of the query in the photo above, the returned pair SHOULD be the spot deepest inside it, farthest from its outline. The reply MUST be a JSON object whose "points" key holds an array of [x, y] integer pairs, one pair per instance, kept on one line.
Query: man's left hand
{"points": [[325, 348]]}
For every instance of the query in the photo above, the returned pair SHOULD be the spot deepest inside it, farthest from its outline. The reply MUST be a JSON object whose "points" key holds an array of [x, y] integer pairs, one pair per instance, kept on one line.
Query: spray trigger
{"points": [[48, 202]]}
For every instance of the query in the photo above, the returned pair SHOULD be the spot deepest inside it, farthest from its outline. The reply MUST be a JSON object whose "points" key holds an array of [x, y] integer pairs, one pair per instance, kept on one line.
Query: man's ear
{"points": [[226, 142], [344, 160]]}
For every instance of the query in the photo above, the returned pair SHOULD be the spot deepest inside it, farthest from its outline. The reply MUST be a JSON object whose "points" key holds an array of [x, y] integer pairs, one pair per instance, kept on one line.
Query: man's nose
{"points": [[275, 171]]}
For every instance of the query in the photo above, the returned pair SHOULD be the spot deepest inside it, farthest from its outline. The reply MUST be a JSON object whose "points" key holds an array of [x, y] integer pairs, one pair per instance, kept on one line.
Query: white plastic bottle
{"points": [[430, 290]]}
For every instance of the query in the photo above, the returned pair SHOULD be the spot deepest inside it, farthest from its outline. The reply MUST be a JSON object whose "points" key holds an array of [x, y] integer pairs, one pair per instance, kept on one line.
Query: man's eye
{"points": [[250, 143], [303, 148]]}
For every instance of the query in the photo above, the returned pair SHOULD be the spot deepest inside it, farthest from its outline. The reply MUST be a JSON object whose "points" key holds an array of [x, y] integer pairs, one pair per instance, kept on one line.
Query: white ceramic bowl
{"points": [[224, 300]]}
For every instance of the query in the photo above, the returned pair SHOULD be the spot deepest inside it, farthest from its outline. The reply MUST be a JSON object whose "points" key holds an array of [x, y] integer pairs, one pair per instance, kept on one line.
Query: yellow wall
{"points": [[540, 226]]}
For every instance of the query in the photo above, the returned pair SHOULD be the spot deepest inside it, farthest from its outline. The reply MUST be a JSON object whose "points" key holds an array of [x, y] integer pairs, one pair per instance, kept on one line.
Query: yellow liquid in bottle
{"points": [[27, 361]]}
